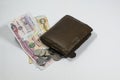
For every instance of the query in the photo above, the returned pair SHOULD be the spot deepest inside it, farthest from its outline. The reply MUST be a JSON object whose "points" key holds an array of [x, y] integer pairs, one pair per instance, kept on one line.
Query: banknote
{"points": [[27, 33], [44, 27], [43, 23]]}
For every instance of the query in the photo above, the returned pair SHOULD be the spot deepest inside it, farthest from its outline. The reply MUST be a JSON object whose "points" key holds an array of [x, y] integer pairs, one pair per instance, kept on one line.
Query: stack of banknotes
{"points": [[27, 30]]}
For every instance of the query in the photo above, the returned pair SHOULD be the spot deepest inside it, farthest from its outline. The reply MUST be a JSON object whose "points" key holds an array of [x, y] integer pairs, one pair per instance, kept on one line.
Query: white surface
{"points": [[97, 59]]}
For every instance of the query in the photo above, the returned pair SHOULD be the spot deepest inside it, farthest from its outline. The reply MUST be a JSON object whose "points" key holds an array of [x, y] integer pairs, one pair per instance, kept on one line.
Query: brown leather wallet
{"points": [[66, 36]]}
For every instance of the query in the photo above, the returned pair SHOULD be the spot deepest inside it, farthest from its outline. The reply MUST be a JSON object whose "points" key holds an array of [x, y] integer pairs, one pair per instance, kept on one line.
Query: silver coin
{"points": [[55, 56], [39, 52], [41, 61]]}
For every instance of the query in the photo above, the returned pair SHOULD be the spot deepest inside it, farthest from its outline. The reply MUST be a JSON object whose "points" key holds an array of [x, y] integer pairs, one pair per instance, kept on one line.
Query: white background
{"points": [[97, 59]]}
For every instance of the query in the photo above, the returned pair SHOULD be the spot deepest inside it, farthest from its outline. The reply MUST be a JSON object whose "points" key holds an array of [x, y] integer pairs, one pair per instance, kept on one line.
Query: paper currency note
{"points": [[43, 23], [44, 26]]}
